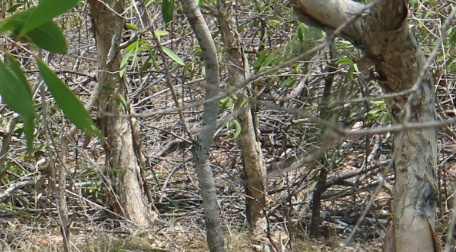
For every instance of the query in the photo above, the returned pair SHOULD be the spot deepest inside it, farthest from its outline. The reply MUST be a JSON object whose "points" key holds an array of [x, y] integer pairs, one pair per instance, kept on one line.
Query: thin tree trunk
{"points": [[58, 173], [202, 144], [122, 163], [394, 53], [249, 142], [326, 114], [6, 145]]}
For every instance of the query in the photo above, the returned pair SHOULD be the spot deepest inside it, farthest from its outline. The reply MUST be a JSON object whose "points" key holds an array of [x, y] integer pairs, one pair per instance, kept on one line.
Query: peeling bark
{"points": [[248, 140], [394, 52], [122, 163]]}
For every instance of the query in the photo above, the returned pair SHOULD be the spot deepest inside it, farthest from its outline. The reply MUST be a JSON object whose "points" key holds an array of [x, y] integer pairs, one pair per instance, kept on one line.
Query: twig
{"points": [[368, 206], [15, 186]]}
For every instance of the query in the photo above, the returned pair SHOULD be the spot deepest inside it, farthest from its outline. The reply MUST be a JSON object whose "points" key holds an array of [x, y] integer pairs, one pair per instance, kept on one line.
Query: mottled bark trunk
{"points": [[59, 174], [202, 144], [395, 55], [249, 142], [121, 160]]}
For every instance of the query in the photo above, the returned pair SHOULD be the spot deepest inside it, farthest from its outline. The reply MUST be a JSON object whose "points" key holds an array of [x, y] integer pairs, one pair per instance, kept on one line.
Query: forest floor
{"points": [[29, 218], [181, 234], [180, 225]]}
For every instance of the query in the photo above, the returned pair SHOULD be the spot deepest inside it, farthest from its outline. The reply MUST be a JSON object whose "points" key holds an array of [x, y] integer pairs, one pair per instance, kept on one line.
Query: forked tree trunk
{"points": [[127, 196], [395, 55], [249, 142]]}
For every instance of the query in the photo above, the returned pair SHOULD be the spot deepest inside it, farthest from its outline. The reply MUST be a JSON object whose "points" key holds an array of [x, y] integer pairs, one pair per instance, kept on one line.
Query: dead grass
{"points": [[42, 234]]}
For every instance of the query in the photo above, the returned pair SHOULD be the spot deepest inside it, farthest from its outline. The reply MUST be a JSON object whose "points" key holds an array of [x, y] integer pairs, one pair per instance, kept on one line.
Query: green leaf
{"points": [[149, 2], [131, 26], [225, 103], [15, 22], [288, 83], [133, 46], [16, 93], [123, 100], [452, 37], [29, 129], [377, 102], [375, 111], [347, 61], [261, 57], [301, 32], [271, 58], [123, 63], [15, 67], [238, 128], [159, 33], [67, 101], [132, 51], [45, 12], [14, 7], [344, 44], [146, 63], [173, 56], [167, 10], [49, 37], [355, 67]]}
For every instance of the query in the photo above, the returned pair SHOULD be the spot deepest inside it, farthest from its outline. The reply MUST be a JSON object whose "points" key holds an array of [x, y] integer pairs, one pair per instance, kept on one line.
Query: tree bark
{"points": [[58, 174], [248, 140], [395, 55], [121, 160], [326, 113], [202, 144]]}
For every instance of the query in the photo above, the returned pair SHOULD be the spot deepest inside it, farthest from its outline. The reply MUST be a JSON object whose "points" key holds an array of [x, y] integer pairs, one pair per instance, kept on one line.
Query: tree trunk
{"points": [[395, 55], [126, 195], [249, 142], [202, 144], [326, 113], [58, 175]]}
